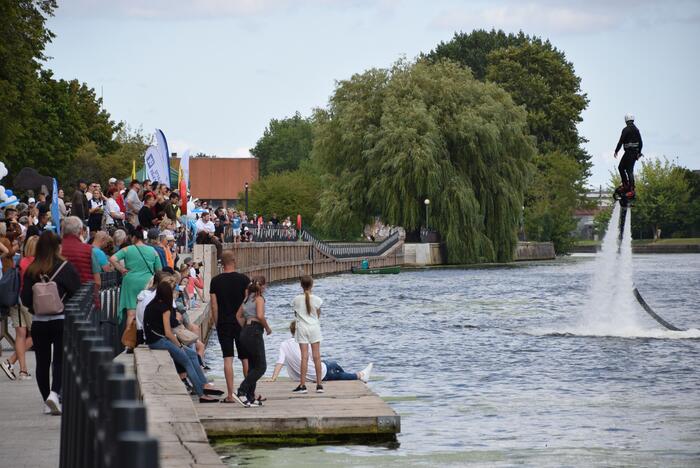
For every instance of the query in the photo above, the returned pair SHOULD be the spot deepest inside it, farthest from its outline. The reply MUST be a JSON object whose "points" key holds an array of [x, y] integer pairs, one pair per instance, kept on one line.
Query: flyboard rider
{"points": [[631, 141]]}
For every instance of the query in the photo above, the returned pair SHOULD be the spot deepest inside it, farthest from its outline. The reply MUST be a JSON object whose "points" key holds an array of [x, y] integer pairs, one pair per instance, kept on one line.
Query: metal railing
{"points": [[265, 233], [105, 318], [103, 423], [374, 249]]}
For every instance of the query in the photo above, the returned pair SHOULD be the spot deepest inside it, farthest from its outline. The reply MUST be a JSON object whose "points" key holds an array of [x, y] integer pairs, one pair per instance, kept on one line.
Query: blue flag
{"points": [[55, 214]]}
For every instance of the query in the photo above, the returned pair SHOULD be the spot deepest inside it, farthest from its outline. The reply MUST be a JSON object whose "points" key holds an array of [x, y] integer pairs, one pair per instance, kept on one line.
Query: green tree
{"points": [[551, 201], [23, 37], [67, 116], [692, 216], [287, 194], [472, 49], [663, 195], [391, 138], [284, 145], [536, 74]]}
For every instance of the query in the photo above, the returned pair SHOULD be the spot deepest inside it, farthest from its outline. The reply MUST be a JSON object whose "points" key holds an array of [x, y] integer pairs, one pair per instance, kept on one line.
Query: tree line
{"points": [[484, 126], [58, 127]]}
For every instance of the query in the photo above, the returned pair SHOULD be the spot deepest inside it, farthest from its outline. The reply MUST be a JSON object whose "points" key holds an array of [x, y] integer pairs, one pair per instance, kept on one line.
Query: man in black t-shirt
{"points": [[227, 291], [146, 218]]}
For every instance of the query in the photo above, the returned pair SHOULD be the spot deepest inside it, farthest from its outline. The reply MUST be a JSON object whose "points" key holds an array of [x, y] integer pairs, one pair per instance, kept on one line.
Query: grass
{"points": [[681, 241]]}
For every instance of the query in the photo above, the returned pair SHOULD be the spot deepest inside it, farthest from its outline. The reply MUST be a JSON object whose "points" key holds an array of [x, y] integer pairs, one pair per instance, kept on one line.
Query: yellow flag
{"points": [[133, 169]]}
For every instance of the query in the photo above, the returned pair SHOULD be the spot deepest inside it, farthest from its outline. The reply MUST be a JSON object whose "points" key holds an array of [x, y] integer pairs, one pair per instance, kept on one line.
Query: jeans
{"points": [[186, 358], [254, 345], [335, 372], [45, 335]]}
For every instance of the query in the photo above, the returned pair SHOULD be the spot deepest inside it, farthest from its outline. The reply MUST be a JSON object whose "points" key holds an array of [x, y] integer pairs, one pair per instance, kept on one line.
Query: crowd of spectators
{"points": [[140, 230]]}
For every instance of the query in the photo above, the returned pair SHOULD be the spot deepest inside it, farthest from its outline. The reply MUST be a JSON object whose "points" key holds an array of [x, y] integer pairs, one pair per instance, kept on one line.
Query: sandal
{"points": [[261, 398]]}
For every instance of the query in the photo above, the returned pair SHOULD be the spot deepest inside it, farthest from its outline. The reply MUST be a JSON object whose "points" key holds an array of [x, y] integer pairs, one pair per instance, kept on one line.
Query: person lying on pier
{"points": [[159, 322], [290, 357]]}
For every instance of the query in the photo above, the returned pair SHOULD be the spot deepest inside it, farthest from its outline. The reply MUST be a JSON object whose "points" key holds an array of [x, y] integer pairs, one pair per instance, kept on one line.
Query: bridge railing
{"points": [[104, 422], [265, 233], [352, 250]]}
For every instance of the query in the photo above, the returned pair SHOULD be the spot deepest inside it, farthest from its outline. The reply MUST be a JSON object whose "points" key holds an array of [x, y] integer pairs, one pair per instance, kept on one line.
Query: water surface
{"points": [[483, 368]]}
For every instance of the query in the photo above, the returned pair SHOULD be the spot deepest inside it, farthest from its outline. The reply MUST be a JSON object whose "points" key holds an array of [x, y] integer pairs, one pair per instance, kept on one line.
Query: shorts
{"points": [[237, 232], [20, 316], [229, 335], [307, 333]]}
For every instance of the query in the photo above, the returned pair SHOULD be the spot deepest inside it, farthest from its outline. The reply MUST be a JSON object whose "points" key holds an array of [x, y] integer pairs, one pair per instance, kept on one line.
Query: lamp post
{"points": [[246, 198], [427, 211]]}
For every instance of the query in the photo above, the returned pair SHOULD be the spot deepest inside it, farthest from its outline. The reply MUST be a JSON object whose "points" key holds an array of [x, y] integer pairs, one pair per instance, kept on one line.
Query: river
{"points": [[484, 368]]}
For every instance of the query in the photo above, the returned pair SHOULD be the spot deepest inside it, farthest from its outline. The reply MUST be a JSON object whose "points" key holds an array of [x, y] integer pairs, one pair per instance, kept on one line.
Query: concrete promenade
{"points": [[28, 438]]}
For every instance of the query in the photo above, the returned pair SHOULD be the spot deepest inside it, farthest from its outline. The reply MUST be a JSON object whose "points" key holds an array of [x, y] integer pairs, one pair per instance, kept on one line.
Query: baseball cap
{"points": [[31, 200], [112, 180], [153, 233]]}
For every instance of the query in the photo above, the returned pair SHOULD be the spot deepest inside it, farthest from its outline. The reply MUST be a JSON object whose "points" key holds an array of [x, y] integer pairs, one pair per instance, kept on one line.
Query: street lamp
{"points": [[246, 198], [427, 211]]}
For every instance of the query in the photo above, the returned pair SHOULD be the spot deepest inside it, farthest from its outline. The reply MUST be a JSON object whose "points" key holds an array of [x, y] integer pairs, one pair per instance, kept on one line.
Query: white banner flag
{"points": [[165, 154], [157, 168], [185, 165]]}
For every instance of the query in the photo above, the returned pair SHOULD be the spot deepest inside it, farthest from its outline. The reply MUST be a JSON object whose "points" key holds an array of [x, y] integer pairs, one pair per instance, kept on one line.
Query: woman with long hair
{"points": [[47, 327], [140, 264], [307, 311], [158, 323], [21, 319], [251, 317]]}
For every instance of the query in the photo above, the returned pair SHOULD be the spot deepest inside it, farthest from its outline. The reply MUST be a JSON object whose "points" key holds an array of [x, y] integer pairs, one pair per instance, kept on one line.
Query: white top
{"points": [[290, 356], [142, 300], [208, 227], [111, 206], [299, 306], [133, 203]]}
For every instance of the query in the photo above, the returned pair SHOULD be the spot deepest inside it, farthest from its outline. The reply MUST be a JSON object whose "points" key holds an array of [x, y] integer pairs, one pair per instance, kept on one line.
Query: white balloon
{"points": [[3, 170], [2, 194]]}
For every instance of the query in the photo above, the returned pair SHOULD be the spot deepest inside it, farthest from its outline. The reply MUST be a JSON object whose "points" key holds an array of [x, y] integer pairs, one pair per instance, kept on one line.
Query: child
{"points": [[307, 310]]}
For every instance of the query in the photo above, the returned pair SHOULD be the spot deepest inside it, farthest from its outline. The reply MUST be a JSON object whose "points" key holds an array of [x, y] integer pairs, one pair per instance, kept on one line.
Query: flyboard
{"points": [[626, 199]]}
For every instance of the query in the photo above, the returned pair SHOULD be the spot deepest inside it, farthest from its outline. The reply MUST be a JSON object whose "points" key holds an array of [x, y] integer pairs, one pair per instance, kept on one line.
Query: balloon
{"points": [[2, 193], [8, 192], [9, 202], [3, 170]]}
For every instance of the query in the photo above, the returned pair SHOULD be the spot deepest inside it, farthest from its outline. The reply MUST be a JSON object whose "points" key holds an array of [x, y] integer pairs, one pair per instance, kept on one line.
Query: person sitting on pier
{"points": [[290, 357], [158, 323]]}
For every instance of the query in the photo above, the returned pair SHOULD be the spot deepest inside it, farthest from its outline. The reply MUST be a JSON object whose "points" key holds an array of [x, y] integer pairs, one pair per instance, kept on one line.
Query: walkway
{"points": [[28, 438]]}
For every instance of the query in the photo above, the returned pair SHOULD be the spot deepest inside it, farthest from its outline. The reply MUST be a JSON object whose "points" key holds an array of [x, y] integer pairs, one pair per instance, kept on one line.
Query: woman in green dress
{"points": [[141, 261]]}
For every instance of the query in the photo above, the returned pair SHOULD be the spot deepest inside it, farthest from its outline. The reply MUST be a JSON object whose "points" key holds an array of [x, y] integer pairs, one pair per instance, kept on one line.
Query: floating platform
{"points": [[347, 411]]}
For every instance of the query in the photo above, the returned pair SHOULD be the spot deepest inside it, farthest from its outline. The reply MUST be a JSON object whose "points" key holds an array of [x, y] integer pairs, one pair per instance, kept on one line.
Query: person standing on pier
{"points": [[251, 317], [307, 310], [227, 292]]}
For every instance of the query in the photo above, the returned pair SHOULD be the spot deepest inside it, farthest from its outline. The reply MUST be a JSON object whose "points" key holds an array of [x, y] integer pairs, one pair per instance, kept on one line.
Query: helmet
{"points": [[629, 118]]}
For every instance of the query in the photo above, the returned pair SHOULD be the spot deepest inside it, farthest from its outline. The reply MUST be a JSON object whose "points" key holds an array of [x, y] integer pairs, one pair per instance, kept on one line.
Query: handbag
{"points": [[185, 336], [129, 335]]}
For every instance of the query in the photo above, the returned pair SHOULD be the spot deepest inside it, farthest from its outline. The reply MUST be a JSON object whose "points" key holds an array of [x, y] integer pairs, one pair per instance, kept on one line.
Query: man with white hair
{"points": [[75, 250]]}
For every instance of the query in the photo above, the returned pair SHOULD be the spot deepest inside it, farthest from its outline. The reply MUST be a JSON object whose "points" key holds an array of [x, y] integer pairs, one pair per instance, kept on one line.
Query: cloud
{"points": [[566, 16], [197, 9]]}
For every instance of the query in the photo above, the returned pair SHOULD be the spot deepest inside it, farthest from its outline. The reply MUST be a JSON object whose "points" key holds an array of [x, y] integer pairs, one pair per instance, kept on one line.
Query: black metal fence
{"points": [[373, 249], [104, 422]]}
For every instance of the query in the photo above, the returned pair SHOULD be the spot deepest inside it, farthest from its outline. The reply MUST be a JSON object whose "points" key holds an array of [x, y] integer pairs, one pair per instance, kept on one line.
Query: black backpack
{"points": [[9, 290]]}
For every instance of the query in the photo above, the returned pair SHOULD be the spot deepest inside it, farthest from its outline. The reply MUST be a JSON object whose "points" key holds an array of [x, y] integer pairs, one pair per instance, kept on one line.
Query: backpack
{"points": [[45, 295], [9, 290]]}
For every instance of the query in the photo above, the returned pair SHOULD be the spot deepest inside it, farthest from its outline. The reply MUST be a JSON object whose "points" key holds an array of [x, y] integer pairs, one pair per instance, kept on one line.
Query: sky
{"points": [[212, 73]]}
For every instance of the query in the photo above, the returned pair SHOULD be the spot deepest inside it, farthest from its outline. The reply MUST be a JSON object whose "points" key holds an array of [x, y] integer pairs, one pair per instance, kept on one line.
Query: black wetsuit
{"points": [[631, 140]]}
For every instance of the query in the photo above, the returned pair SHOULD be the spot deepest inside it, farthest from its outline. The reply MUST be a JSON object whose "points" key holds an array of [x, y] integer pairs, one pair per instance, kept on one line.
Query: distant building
{"points": [[600, 199], [218, 180]]}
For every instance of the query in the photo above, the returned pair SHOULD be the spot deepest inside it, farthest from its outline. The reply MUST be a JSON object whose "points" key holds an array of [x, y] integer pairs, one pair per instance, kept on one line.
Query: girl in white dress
{"points": [[307, 310]]}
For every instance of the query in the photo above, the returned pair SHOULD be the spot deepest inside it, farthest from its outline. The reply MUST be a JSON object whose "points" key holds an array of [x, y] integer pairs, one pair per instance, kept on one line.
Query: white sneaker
{"points": [[366, 372], [7, 367], [24, 376], [47, 410], [53, 403]]}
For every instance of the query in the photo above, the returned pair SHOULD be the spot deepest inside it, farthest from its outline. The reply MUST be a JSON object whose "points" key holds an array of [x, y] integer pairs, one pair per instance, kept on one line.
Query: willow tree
{"points": [[390, 138]]}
